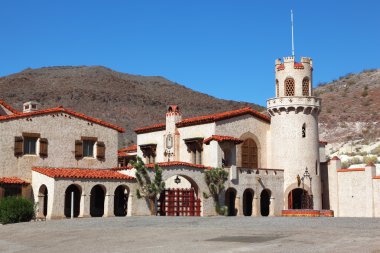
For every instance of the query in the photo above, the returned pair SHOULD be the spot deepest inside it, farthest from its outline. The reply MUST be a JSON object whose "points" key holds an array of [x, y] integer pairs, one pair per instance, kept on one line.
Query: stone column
{"points": [[130, 202], [85, 202], [109, 206], [271, 207], [238, 206], [256, 206]]}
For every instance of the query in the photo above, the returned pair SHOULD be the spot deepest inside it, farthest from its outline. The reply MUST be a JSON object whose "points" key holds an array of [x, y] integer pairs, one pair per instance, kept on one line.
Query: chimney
{"points": [[30, 106]]}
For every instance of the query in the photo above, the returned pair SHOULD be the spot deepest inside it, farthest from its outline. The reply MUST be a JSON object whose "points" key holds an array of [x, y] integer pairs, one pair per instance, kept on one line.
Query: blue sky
{"points": [[224, 48]]}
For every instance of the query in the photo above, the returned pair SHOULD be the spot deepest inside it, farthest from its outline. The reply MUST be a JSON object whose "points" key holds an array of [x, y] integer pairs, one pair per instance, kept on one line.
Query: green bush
{"points": [[16, 209]]}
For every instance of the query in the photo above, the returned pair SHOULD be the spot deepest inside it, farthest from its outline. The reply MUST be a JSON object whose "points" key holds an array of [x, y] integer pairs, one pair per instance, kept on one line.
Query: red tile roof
{"points": [[376, 177], [335, 158], [351, 170], [8, 107], [221, 138], [127, 151], [298, 65], [176, 163], [81, 173], [129, 167], [12, 180], [281, 67], [207, 119], [323, 143], [152, 128], [62, 110]]}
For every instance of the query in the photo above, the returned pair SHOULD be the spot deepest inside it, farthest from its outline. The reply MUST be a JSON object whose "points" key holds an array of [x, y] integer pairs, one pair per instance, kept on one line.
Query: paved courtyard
{"points": [[192, 234]]}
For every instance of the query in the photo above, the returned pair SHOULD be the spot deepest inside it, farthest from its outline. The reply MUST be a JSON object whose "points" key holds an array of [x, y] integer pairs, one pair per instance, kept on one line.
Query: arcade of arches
{"points": [[97, 203], [250, 204]]}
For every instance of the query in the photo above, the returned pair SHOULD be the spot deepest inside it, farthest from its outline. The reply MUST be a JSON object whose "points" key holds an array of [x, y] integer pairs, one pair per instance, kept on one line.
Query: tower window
{"points": [[303, 130], [277, 89], [289, 87], [305, 87]]}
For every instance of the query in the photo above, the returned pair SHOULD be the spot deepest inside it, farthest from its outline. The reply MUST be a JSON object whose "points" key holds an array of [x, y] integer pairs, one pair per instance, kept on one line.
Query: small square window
{"points": [[30, 145], [88, 148]]}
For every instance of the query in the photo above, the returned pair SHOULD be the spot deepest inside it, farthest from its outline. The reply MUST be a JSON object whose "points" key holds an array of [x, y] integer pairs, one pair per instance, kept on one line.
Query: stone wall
{"points": [[61, 130]]}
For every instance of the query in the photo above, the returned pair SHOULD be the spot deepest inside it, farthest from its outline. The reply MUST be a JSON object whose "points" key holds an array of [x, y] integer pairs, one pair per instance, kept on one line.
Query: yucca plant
{"points": [[148, 189], [215, 180]]}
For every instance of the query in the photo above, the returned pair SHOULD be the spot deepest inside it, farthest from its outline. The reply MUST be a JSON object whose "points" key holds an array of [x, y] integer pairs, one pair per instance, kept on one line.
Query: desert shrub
{"points": [[16, 209], [376, 151], [370, 159]]}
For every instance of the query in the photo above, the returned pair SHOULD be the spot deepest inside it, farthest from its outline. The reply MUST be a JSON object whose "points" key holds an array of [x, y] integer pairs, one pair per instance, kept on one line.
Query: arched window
{"points": [[249, 154], [305, 87], [304, 130], [289, 87], [277, 89]]}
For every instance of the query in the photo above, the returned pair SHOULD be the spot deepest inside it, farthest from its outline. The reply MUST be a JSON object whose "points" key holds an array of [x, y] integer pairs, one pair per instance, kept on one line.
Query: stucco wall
{"points": [[247, 126], [61, 130], [257, 181]]}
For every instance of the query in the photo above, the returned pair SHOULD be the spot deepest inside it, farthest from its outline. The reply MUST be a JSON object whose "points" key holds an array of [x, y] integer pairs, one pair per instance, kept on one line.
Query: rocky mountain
{"points": [[351, 108], [130, 101], [350, 104]]}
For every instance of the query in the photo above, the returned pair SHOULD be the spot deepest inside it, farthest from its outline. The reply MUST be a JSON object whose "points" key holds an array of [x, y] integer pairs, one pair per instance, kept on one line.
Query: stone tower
{"points": [[294, 128]]}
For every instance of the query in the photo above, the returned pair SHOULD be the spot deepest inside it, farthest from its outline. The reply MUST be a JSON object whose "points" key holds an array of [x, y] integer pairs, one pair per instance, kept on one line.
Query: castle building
{"points": [[69, 164]]}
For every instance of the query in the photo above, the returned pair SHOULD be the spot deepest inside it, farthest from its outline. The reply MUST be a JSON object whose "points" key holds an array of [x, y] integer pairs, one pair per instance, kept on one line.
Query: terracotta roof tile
{"points": [[281, 67], [323, 143], [8, 107], [221, 138], [81, 173], [207, 119], [351, 170], [62, 110], [176, 163], [298, 65], [12, 180], [335, 158], [129, 167], [152, 128]]}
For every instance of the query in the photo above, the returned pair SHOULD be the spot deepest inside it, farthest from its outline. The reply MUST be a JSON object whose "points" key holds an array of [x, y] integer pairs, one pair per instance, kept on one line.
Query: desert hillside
{"points": [[351, 107], [127, 100], [350, 104]]}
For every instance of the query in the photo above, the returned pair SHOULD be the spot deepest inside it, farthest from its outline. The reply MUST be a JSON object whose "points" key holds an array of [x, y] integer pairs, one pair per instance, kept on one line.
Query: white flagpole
{"points": [[291, 19]]}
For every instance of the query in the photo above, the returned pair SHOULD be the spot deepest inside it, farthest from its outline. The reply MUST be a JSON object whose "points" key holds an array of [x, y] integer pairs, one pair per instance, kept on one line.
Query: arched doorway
{"points": [[247, 202], [42, 201], [121, 200], [180, 197], [265, 202], [97, 198], [230, 199], [249, 154], [77, 196], [295, 198]]}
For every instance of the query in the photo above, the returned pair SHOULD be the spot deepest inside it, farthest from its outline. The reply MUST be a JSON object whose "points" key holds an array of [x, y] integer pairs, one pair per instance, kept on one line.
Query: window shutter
{"points": [[43, 147], [78, 149], [19, 146], [100, 150]]}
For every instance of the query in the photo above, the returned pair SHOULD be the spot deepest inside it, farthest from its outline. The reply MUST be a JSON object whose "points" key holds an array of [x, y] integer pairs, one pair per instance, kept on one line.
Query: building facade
{"points": [[70, 165]]}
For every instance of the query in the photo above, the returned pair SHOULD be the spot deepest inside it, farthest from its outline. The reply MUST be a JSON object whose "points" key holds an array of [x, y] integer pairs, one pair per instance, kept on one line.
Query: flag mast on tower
{"points": [[291, 19]]}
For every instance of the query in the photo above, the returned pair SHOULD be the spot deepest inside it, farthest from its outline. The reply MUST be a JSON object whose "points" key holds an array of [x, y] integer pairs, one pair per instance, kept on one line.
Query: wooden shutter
{"points": [[78, 149], [43, 147], [19, 146], [100, 150]]}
